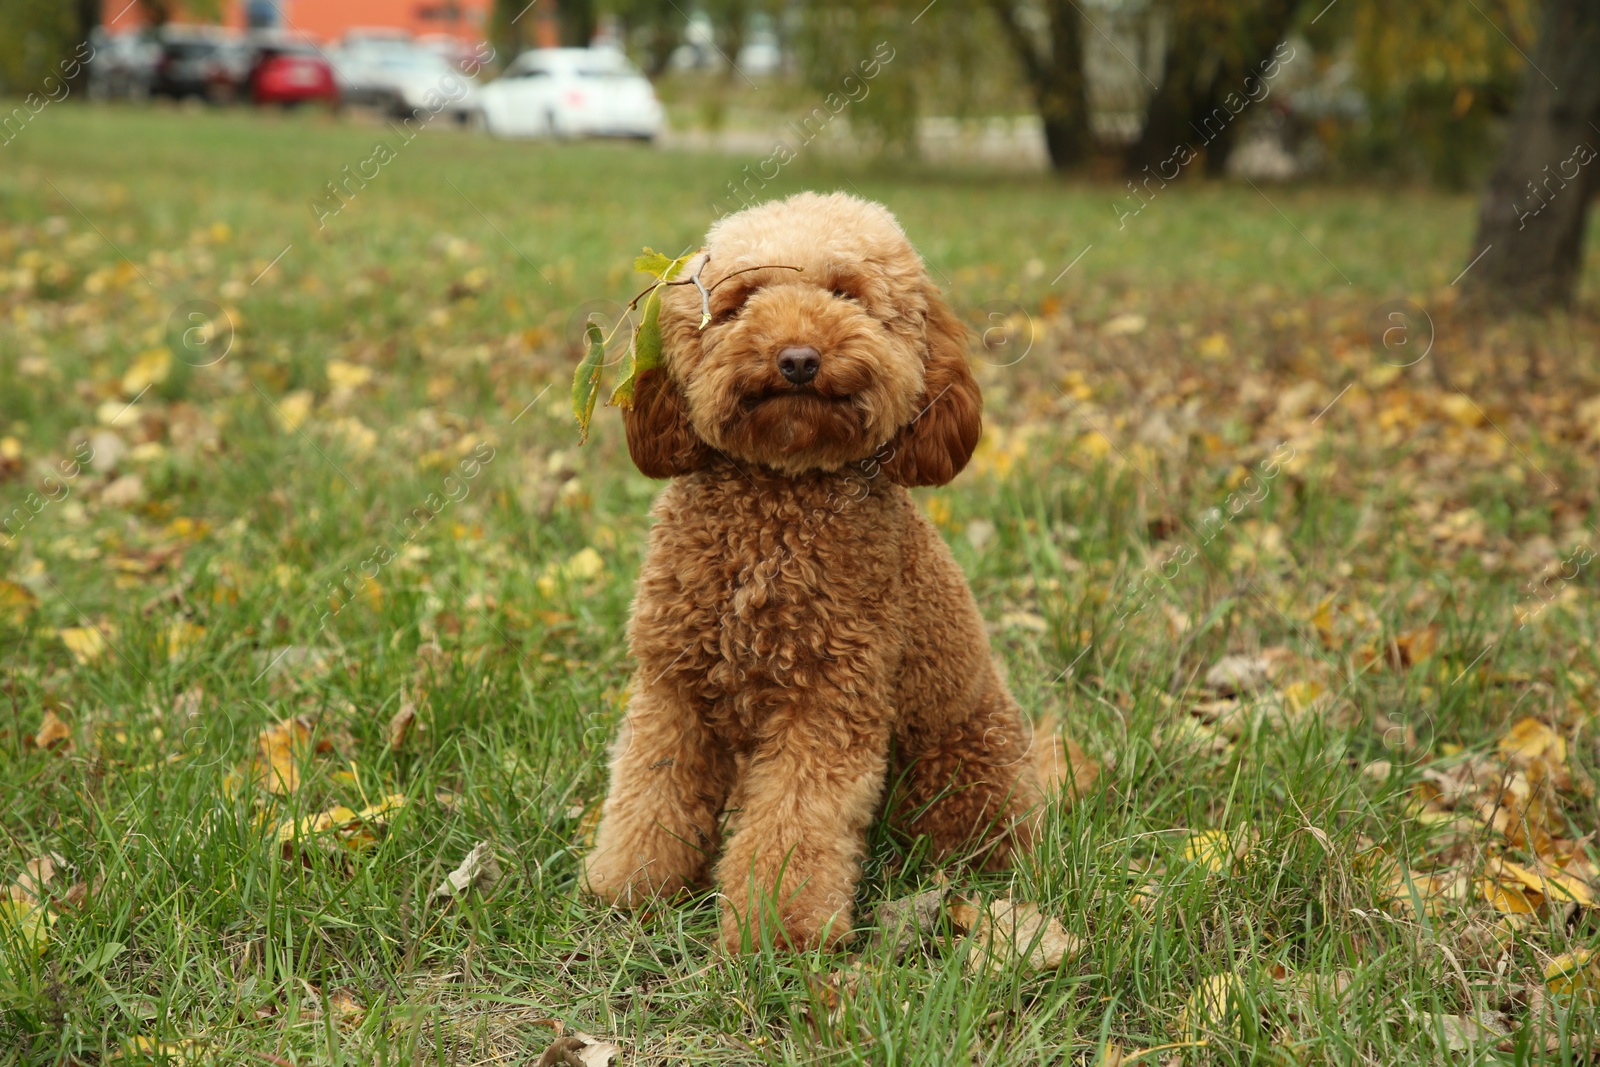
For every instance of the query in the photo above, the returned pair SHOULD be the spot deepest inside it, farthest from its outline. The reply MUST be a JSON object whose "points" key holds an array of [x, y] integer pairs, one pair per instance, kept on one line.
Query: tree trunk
{"points": [[1213, 61], [1056, 78], [86, 19], [1533, 216]]}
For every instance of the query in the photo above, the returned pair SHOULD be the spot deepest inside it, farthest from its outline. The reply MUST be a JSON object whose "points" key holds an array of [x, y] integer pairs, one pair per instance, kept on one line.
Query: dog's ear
{"points": [[661, 440], [936, 444]]}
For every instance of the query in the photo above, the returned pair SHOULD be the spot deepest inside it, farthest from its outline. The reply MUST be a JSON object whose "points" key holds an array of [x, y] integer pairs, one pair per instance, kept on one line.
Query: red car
{"points": [[292, 74]]}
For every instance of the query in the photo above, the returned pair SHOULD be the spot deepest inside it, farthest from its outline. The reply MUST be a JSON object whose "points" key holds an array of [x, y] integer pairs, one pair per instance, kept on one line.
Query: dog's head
{"points": [[853, 358]]}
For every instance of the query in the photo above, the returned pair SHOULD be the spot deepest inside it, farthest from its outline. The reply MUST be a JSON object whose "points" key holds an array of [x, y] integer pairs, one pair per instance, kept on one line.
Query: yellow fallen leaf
{"points": [[1529, 739], [16, 603], [342, 375], [355, 829], [1556, 885], [26, 925], [1212, 849], [148, 368], [53, 733], [1299, 696], [1574, 974], [584, 564], [347, 1010], [1210, 1009], [154, 1048], [293, 409], [84, 642], [29, 888], [276, 764], [1509, 899]]}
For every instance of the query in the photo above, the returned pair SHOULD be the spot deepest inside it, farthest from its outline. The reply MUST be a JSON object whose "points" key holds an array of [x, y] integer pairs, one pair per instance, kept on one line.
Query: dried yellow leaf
{"points": [[1529, 739], [1209, 1010], [1509, 899], [53, 733], [1574, 974], [1014, 931], [84, 642], [26, 925], [16, 603], [1212, 849], [1557, 885]]}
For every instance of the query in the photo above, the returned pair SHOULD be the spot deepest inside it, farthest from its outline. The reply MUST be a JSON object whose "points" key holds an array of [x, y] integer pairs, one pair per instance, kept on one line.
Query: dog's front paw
{"points": [[629, 882], [800, 923]]}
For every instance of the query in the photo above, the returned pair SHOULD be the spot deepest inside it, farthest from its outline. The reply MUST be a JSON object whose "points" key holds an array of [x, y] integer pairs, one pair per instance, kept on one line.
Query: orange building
{"points": [[330, 19]]}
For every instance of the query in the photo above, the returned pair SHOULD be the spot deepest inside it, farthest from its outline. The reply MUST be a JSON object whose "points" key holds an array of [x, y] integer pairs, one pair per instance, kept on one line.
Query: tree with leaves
{"points": [[1215, 48], [1052, 63]]}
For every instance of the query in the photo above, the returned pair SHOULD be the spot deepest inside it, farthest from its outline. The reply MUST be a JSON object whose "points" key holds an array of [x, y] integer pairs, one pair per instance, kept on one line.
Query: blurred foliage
{"points": [[1213, 50], [1439, 79], [948, 61], [37, 36], [161, 12], [512, 23]]}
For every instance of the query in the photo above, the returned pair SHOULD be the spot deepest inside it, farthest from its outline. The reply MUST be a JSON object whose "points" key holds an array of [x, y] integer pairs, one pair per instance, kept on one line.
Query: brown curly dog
{"points": [[805, 641]]}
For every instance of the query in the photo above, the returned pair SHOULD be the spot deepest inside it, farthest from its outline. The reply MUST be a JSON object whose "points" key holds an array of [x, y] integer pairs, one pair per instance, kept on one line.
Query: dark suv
{"points": [[208, 65]]}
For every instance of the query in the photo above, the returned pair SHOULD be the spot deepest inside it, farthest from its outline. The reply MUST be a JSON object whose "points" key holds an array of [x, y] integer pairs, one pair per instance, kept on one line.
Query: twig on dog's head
{"points": [[705, 293]]}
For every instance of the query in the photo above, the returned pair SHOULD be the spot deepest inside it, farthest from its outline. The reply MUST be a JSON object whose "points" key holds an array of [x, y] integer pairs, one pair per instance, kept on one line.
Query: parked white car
{"points": [[571, 92], [404, 79]]}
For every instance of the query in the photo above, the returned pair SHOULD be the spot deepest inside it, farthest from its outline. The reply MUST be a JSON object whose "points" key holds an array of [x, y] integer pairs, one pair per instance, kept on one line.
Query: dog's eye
{"points": [[730, 311], [844, 294]]}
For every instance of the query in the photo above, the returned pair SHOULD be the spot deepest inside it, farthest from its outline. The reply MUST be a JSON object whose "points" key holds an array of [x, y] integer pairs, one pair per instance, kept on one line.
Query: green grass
{"points": [[1402, 510]]}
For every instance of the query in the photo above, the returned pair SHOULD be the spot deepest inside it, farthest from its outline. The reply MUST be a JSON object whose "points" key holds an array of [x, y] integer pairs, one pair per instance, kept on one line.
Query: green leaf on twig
{"points": [[645, 352], [586, 382]]}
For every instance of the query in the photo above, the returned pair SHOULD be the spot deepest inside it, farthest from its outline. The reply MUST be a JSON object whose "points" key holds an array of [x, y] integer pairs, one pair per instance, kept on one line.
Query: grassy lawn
{"points": [[1366, 839]]}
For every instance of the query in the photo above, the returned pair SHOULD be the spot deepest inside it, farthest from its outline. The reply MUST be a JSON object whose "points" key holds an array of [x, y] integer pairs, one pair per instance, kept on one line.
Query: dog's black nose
{"points": [[799, 365]]}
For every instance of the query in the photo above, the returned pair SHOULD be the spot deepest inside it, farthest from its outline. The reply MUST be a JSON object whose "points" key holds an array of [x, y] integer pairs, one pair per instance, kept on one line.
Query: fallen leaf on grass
{"points": [[154, 1048], [1508, 899], [16, 603], [1574, 974], [400, 723], [27, 924], [1463, 1033], [84, 642], [1009, 930], [1213, 849], [584, 565], [901, 923], [1537, 749], [1210, 1009], [182, 635], [301, 660], [53, 733], [36, 875], [580, 1050], [340, 826], [1233, 675], [1556, 885], [279, 750], [480, 869]]}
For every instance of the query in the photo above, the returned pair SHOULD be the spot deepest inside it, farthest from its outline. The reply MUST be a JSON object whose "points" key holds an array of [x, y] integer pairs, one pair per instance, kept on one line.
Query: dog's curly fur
{"points": [[805, 641]]}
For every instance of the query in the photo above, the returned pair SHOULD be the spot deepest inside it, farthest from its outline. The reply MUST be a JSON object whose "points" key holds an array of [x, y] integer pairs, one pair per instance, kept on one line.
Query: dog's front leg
{"points": [[809, 792], [669, 779]]}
